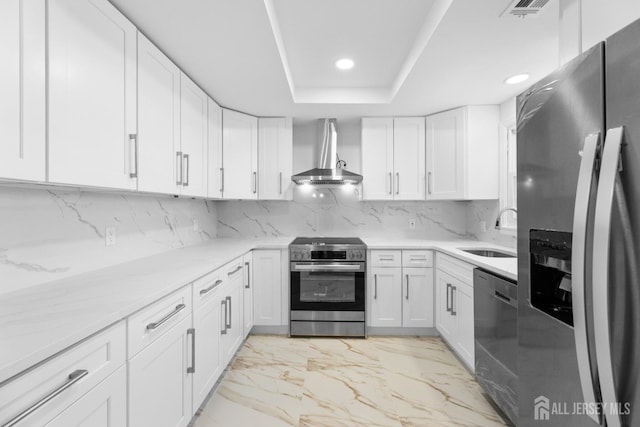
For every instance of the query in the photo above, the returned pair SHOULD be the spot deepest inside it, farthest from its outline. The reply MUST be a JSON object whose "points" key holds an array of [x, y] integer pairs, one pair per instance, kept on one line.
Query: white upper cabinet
{"points": [[275, 157], [214, 133], [193, 125], [92, 94], [377, 158], [158, 119], [239, 155], [409, 158], [463, 154], [393, 158], [22, 90]]}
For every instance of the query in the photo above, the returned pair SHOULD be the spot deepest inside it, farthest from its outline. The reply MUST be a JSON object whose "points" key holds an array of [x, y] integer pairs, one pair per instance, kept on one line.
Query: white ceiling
{"points": [[413, 57]]}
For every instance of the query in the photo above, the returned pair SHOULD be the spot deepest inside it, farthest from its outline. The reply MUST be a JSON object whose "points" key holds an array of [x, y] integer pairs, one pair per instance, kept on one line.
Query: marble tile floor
{"points": [[327, 382]]}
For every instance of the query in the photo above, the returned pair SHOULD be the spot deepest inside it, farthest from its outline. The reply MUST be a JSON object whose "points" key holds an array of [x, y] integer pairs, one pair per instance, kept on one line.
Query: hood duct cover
{"points": [[329, 169]]}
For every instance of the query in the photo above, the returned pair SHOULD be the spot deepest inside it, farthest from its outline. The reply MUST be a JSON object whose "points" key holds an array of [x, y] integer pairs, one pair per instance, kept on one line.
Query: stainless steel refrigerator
{"points": [[579, 240]]}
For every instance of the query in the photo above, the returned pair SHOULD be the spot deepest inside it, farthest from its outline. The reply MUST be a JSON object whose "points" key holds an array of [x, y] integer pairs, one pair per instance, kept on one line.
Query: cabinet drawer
{"points": [[455, 267], [206, 287], [417, 258], [150, 323], [386, 258], [98, 356]]}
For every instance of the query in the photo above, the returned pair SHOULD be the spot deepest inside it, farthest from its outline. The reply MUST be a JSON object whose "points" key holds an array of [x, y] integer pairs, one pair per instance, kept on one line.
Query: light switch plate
{"points": [[196, 225], [412, 223]]}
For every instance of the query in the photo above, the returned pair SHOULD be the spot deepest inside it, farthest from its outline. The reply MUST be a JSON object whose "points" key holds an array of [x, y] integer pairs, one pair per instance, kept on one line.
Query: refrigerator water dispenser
{"points": [[550, 253]]}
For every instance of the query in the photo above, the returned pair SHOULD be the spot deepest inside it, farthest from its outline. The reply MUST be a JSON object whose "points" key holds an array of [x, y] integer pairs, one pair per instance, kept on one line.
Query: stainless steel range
{"points": [[327, 286]]}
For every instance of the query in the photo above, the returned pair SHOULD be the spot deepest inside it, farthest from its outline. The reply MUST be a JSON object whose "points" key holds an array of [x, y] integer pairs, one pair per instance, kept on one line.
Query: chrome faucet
{"points": [[503, 210]]}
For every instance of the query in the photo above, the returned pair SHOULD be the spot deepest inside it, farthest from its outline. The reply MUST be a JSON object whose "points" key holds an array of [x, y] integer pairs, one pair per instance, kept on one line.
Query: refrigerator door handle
{"points": [[580, 217], [601, 239]]}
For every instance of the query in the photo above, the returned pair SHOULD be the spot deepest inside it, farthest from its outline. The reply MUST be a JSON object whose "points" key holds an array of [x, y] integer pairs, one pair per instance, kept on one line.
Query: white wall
{"points": [[584, 23], [49, 234]]}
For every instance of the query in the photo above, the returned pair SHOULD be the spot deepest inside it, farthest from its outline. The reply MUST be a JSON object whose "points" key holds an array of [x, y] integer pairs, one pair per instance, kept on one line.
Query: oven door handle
{"points": [[328, 267]]}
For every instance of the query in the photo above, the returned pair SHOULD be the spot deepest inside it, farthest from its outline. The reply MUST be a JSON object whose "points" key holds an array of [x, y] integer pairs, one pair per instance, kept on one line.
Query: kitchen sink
{"points": [[489, 253]]}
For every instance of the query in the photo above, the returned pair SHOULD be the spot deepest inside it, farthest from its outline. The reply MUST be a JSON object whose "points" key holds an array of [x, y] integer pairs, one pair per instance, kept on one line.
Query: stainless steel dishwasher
{"points": [[496, 335]]}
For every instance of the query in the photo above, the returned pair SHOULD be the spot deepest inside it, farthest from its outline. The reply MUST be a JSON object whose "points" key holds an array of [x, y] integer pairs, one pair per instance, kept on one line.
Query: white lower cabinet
{"points": [[400, 290], [104, 406], [385, 296], [454, 306], [446, 323], [417, 301], [207, 322], [465, 341], [267, 288], [232, 314], [160, 385], [247, 303], [88, 379]]}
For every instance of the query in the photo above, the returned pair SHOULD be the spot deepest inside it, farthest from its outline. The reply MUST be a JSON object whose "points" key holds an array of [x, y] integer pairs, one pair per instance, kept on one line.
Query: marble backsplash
{"points": [[339, 212], [486, 211], [335, 212], [48, 234]]}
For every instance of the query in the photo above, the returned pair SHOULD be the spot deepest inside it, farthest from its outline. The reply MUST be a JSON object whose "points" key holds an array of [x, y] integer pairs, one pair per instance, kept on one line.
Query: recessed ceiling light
{"points": [[344, 63], [518, 78]]}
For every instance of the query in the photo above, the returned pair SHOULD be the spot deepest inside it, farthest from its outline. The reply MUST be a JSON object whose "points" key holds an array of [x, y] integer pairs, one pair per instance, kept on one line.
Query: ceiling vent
{"points": [[523, 8]]}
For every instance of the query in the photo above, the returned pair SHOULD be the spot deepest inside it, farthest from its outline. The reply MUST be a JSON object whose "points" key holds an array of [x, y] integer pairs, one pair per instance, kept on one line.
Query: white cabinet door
{"points": [[22, 90], [158, 119], [463, 309], [417, 299], [409, 158], [103, 406], [462, 153], [160, 388], [92, 94], [207, 323], [193, 137], [247, 307], [275, 157], [445, 321], [385, 296], [233, 335], [377, 158], [214, 166], [445, 155], [267, 288], [239, 153]]}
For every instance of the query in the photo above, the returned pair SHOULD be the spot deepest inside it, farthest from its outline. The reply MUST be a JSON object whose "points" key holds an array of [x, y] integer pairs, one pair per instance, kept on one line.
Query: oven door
{"points": [[328, 286]]}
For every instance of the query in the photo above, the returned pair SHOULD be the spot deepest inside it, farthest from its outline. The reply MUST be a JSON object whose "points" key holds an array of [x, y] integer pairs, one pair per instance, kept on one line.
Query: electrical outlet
{"points": [[412, 223], [483, 226], [196, 226], [110, 236]]}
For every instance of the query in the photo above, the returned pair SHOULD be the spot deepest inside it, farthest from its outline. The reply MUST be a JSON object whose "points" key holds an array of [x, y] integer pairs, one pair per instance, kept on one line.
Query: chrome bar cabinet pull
{"points": [[186, 170], [224, 324], [248, 286], [133, 146], [165, 319], [192, 368], [231, 273], [73, 378], [210, 288]]}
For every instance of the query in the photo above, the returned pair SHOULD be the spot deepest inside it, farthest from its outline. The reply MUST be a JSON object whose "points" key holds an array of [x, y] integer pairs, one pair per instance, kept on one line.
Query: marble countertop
{"points": [[506, 267], [40, 321]]}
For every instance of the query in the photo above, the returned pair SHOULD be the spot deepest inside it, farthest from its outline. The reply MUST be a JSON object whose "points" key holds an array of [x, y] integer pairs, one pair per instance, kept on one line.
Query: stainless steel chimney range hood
{"points": [[329, 170]]}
